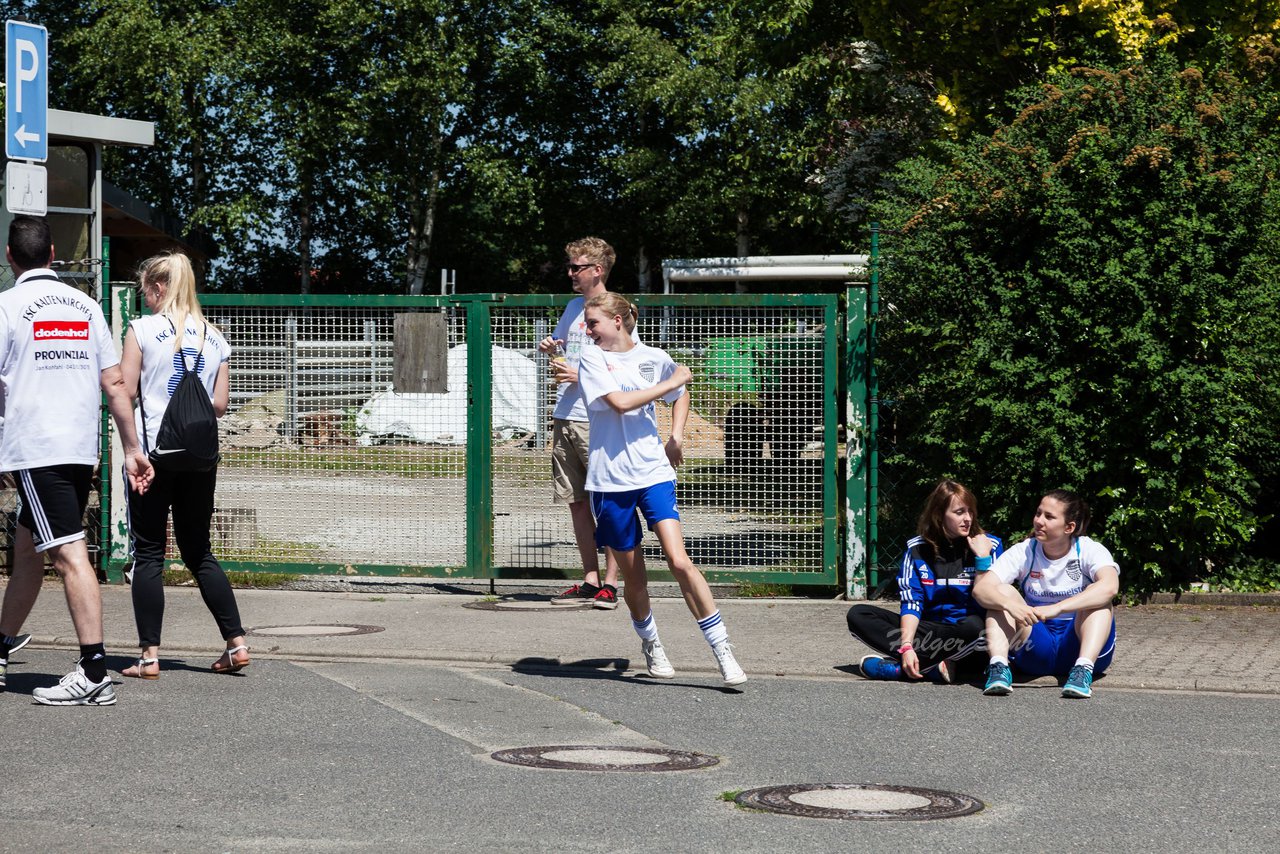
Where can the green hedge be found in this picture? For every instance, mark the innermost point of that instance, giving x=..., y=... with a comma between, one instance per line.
x=1090, y=298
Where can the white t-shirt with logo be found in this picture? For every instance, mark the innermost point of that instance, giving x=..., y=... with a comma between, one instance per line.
x=162, y=367
x=572, y=330
x=1048, y=582
x=625, y=450
x=54, y=345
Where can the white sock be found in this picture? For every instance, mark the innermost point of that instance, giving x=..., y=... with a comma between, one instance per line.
x=999, y=659
x=1086, y=663
x=646, y=628
x=713, y=629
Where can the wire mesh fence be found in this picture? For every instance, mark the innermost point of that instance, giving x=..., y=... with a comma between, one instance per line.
x=326, y=467
x=322, y=461
x=750, y=490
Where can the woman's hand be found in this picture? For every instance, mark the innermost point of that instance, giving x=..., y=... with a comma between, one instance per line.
x=1048, y=612
x=911, y=664
x=675, y=450
x=682, y=375
x=1020, y=612
x=980, y=545
x=548, y=344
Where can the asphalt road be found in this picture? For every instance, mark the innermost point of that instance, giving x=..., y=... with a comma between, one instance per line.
x=393, y=755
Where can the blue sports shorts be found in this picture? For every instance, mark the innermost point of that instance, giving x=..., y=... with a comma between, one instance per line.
x=615, y=512
x=1053, y=647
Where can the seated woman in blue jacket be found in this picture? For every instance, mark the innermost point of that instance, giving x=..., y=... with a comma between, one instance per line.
x=938, y=626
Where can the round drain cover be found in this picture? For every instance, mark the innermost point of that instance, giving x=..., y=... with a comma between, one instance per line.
x=575, y=757
x=322, y=630
x=857, y=802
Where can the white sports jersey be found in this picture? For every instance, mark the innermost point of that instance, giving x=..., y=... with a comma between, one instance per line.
x=625, y=450
x=161, y=368
x=54, y=345
x=572, y=330
x=1047, y=582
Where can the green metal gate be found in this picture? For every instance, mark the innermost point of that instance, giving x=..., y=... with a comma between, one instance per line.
x=326, y=470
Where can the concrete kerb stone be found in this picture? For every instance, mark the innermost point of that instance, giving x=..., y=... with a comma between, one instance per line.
x=1161, y=647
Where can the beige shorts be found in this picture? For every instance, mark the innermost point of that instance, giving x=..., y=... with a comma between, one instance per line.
x=569, y=450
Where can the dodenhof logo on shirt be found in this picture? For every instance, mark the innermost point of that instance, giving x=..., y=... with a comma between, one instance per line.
x=47, y=330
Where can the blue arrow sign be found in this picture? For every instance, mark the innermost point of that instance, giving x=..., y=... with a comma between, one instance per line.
x=26, y=81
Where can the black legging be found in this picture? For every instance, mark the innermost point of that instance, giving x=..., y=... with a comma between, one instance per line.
x=190, y=495
x=879, y=629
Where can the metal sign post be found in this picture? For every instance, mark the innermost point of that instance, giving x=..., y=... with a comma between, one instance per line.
x=26, y=117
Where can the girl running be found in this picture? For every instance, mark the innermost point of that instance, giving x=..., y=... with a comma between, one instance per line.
x=1062, y=622
x=629, y=468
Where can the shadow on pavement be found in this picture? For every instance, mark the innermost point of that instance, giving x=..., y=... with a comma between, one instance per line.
x=614, y=669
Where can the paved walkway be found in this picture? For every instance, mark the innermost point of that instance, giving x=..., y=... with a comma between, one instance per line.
x=1168, y=647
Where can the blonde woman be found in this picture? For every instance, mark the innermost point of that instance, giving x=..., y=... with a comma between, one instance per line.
x=630, y=468
x=158, y=350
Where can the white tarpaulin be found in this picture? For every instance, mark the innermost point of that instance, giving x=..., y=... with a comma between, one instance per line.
x=442, y=418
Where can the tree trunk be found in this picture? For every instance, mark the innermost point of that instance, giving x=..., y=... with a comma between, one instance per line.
x=304, y=237
x=422, y=222
x=642, y=270
x=744, y=243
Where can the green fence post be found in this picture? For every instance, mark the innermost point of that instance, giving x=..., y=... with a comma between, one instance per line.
x=480, y=561
x=106, y=465
x=856, y=449
x=873, y=412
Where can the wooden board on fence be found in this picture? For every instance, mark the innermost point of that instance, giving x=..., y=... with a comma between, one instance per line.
x=421, y=354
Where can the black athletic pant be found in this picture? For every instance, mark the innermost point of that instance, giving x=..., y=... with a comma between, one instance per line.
x=190, y=496
x=881, y=630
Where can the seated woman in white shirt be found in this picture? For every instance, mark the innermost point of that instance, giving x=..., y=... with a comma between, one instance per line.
x=1062, y=622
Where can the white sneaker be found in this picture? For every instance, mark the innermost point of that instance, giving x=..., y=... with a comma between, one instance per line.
x=729, y=668
x=655, y=657
x=75, y=689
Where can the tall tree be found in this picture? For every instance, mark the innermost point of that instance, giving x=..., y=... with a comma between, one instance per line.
x=171, y=63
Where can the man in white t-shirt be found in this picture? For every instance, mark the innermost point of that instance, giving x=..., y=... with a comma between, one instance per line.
x=588, y=262
x=56, y=355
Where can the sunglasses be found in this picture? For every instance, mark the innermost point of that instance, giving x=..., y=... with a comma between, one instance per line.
x=578, y=268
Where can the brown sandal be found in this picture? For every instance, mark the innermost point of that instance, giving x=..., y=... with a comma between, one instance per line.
x=140, y=669
x=231, y=666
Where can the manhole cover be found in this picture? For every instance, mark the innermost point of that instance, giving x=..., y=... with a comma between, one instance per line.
x=322, y=630
x=522, y=604
x=594, y=758
x=860, y=803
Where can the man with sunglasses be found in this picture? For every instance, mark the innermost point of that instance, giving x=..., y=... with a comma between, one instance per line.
x=588, y=262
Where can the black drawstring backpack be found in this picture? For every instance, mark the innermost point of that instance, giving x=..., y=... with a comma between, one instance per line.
x=188, y=436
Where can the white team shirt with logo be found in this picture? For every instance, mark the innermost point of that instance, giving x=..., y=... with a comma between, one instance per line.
x=572, y=330
x=162, y=368
x=1048, y=582
x=625, y=450
x=54, y=345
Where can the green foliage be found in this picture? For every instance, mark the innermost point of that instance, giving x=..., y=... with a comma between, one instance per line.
x=1247, y=575
x=979, y=53
x=1087, y=298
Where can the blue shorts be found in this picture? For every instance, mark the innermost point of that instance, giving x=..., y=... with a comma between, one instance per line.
x=1053, y=647
x=615, y=512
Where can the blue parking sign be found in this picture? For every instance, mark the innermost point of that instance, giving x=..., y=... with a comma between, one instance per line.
x=26, y=81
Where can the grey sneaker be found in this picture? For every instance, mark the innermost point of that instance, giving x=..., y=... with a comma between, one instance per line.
x=729, y=668
x=75, y=689
x=19, y=642
x=655, y=657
